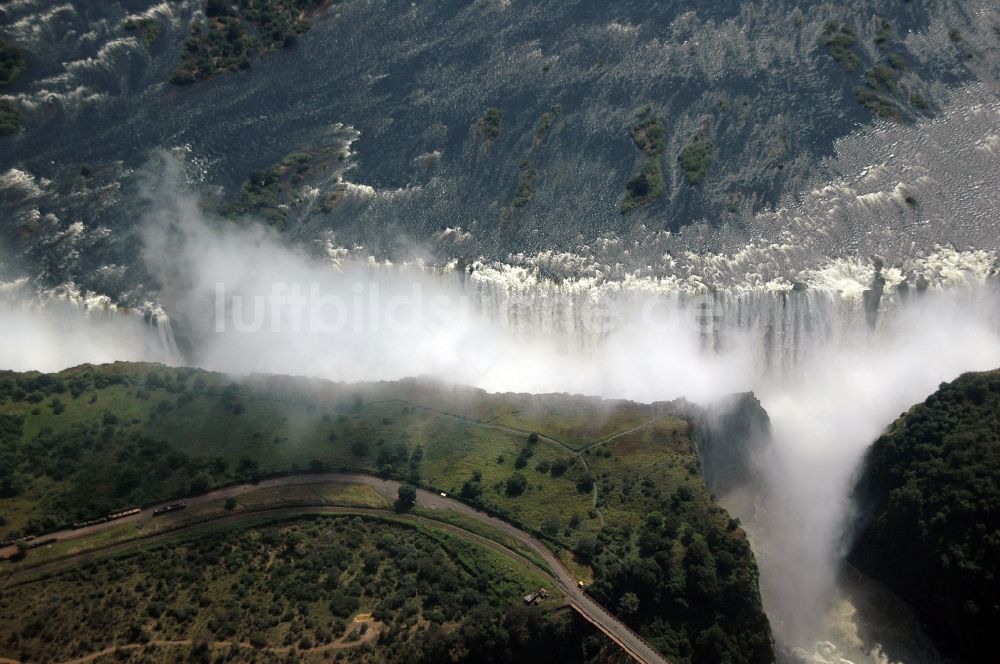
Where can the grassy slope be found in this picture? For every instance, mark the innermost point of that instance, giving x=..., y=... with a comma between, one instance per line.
x=180, y=430
x=930, y=489
x=288, y=424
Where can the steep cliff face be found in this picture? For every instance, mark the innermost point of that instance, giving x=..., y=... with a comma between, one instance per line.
x=929, y=500
x=729, y=433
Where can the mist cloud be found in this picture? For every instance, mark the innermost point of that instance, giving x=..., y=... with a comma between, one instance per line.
x=220, y=279
x=55, y=333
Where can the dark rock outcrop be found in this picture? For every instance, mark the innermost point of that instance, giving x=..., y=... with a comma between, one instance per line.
x=729, y=434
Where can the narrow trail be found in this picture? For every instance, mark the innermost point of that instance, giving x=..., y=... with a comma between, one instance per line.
x=622, y=433
x=374, y=628
x=490, y=424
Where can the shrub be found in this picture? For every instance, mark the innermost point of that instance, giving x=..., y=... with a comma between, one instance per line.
x=839, y=38
x=645, y=187
x=406, y=497
x=516, y=484
x=695, y=158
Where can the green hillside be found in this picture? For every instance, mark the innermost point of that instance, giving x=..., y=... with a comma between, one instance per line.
x=930, y=491
x=663, y=554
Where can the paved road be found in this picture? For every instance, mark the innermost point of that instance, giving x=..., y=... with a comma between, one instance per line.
x=593, y=612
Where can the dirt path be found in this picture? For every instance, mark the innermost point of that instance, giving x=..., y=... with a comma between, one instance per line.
x=340, y=644
x=623, y=433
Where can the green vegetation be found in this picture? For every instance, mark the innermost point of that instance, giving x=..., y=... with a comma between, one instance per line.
x=545, y=122
x=671, y=560
x=646, y=187
x=237, y=33
x=930, y=492
x=840, y=38
x=696, y=157
x=877, y=104
x=380, y=590
x=649, y=135
x=272, y=193
x=897, y=61
x=884, y=31
x=917, y=101
x=881, y=89
x=488, y=126
x=12, y=66
x=146, y=29
x=880, y=92
x=882, y=77
x=83, y=442
x=10, y=117
x=525, y=187
x=407, y=497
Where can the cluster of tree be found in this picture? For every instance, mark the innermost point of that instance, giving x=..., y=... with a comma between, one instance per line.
x=685, y=580
x=488, y=126
x=12, y=63
x=265, y=194
x=12, y=66
x=879, y=92
x=100, y=462
x=295, y=585
x=236, y=33
x=930, y=498
x=649, y=135
x=696, y=157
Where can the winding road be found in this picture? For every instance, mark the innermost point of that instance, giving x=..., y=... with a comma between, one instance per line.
x=593, y=612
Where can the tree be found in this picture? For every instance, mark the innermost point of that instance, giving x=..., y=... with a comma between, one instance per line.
x=406, y=497
x=247, y=469
x=200, y=483
x=472, y=490
x=516, y=484
x=559, y=467
x=532, y=438
x=586, y=549
x=628, y=605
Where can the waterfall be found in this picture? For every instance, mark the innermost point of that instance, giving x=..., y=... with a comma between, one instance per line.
x=53, y=329
x=779, y=326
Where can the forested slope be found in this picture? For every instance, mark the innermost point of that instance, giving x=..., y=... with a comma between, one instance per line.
x=930, y=499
